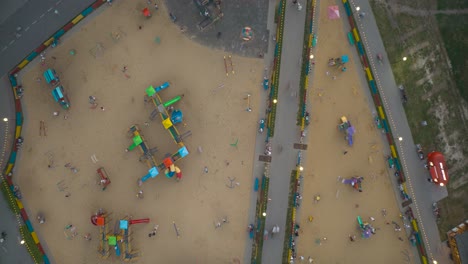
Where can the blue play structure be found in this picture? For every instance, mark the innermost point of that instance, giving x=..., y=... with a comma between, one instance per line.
x=152, y=173
x=176, y=116
x=162, y=86
x=59, y=96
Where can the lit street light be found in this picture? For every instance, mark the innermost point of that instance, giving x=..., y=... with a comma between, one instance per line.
x=275, y=101
x=5, y=119
x=405, y=58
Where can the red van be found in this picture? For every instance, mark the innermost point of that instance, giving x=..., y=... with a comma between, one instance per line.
x=437, y=168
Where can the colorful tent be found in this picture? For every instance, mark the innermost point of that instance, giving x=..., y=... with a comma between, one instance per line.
x=333, y=12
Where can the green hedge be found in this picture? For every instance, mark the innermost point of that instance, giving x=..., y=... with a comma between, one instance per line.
x=276, y=69
x=289, y=221
x=10, y=197
x=36, y=254
x=305, y=61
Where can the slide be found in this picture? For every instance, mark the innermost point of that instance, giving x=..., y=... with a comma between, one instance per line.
x=139, y=221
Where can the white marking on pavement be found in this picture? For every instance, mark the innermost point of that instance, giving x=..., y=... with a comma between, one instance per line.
x=58, y=2
x=41, y=16
x=50, y=9
x=4, y=48
x=11, y=42
x=34, y=22
x=26, y=29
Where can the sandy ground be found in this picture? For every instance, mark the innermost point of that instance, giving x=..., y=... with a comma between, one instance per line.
x=216, y=116
x=334, y=216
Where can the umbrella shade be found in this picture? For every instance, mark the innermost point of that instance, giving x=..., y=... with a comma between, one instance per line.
x=333, y=12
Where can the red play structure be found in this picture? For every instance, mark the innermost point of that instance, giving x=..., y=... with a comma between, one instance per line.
x=139, y=221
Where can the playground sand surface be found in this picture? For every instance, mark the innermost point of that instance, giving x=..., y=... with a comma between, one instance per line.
x=216, y=116
x=334, y=216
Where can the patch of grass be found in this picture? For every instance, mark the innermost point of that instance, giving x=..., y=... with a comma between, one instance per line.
x=452, y=4
x=453, y=210
x=454, y=30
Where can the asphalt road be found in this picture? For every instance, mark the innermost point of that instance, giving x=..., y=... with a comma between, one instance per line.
x=284, y=156
x=38, y=21
x=421, y=191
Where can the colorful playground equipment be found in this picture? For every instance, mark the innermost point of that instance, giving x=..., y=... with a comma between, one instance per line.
x=366, y=229
x=338, y=62
x=147, y=153
x=168, y=122
x=51, y=77
x=346, y=127
x=119, y=239
x=101, y=219
x=161, y=108
x=355, y=182
x=104, y=178
x=59, y=96
x=210, y=10
x=154, y=167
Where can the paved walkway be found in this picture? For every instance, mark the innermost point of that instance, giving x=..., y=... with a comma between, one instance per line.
x=421, y=191
x=284, y=157
x=11, y=251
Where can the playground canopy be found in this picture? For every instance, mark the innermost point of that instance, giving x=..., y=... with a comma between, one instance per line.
x=333, y=12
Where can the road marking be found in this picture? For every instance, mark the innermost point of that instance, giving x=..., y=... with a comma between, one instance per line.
x=58, y=2
x=50, y=9
x=34, y=22
x=4, y=48
x=26, y=29
x=11, y=42
x=42, y=16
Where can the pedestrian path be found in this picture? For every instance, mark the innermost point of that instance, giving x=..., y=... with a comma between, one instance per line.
x=286, y=132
